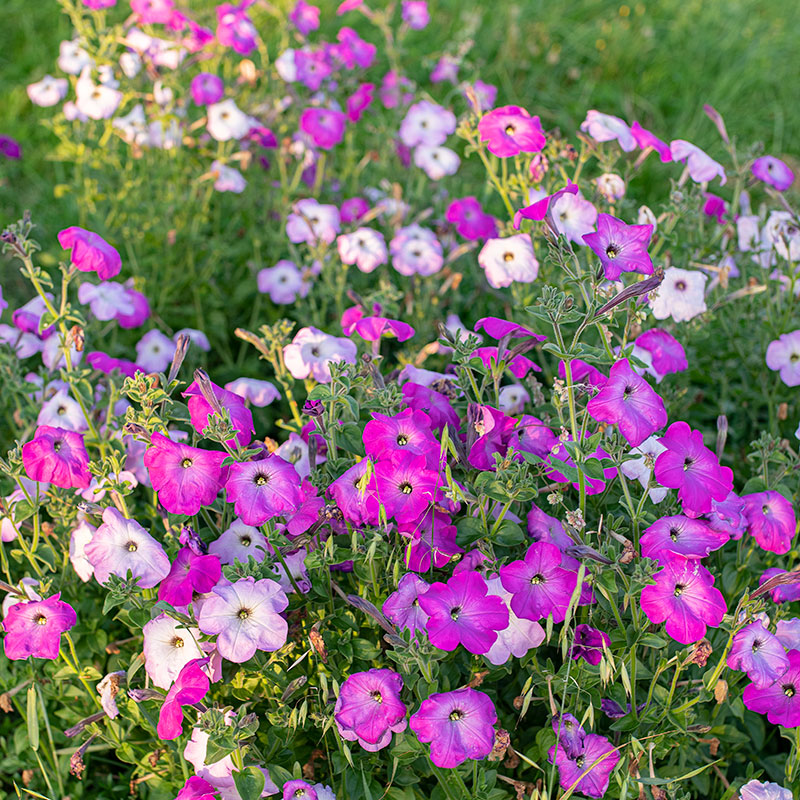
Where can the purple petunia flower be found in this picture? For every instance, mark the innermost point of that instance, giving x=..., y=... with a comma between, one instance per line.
x=540, y=585
x=588, y=644
x=35, y=628
x=402, y=606
x=405, y=486
x=206, y=89
x=690, y=467
x=780, y=701
x=435, y=404
x=57, y=456
x=470, y=220
x=299, y=790
x=304, y=17
x=461, y=612
x=325, y=126
x=560, y=458
x=493, y=431
x=433, y=541
x=261, y=490
x=684, y=597
x=759, y=653
x=190, y=573
x=756, y=790
x=783, y=356
x=596, y=753
x=511, y=130
x=459, y=725
x=369, y=709
x=773, y=171
x=406, y=432
x=628, y=402
x=90, y=252
x=354, y=493
x=680, y=535
x=621, y=247
x=771, y=520
x=120, y=545
x=246, y=617
x=186, y=478
x=10, y=148
x=191, y=686
x=666, y=353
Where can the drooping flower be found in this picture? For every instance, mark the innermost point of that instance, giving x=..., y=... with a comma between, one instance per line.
x=582, y=372
x=459, y=725
x=539, y=209
x=81, y=536
x=783, y=356
x=189, y=573
x=680, y=535
x=645, y=138
x=402, y=606
x=509, y=260
x=489, y=434
x=782, y=593
x=246, y=617
x=90, y=252
x=684, y=597
x=201, y=411
x=680, y=295
x=405, y=486
x=628, y=402
x=759, y=653
x=702, y=168
x=462, y=612
x=257, y=392
x=369, y=709
x=588, y=644
x=312, y=351
x=780, y=700
x=34, y=628
x=510, y=130
x=539, y=584
x=572, y=215
x=690, y=467
x=607, y=128
x=520, y=636
x=261, y=490
x=621, y=247
x=572, y=765
x=435, y=404
x=191, y=686
x=186, y=478
x=121, y=545
x=773, y=171
x=771, y=520
x=57, y=456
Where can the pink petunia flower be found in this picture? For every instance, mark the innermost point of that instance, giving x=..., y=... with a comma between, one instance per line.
x=364, y=247
x=759, y=653
x=354, y=494
x=304, y=17
x=427, y=123
x=702, y=168
x=189, y=573
x=771, y=520
x=644, y=138
x=510, y=130
x=191, y=686
x=325, y=126
x=405, y=486
x=235, y=29
x=34, y=628
x=607, y=128
x=239, y=541
x=406, y=432
x=415, y=14
x=783, y=356
x=470, y=220
x=509, y=260
x=679, y=535
x=780, y=701
x=261, y=490
x=201, y=411
x=773, y=171
x=57, y=456
x=90, y=252
x=416, y=251
x=360, y=101
x=666, y=352
x=197, y=789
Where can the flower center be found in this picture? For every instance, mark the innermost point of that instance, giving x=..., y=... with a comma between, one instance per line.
x=40, y=619
x=261, y=479
x=674, y=533
x=406, y=487
x=57, y=445
x=679, y=587
x=508, y=256
x=793, y=357
x=376, y=696
x=756, y=645
x=186, y=463
x=315, y=352
x=681, y=286
x=765, y=509
x=789, y=690
x=537, y=579
x=245, y=541
x=580, y=761
x=456, y=714
x=131, y=547
x=687, y=462
x=402, y=440
x=612, y=251
x=177, y=642
x=454, y=612
x=510, y=129
x=627, y=392
x=244, y=613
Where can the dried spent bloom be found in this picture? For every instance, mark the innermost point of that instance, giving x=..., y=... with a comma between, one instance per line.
x=34, y=628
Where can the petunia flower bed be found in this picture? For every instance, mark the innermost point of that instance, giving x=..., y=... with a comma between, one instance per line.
x=491, y=491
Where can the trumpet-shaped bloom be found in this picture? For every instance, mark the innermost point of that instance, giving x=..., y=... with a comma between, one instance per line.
x=191, y=686
x=621, y=247
x=354, y=494
x=427, y=123
x=588, y=644
x=369, y=709
x=756, y=790
x=702, y=168
x=312, y=351
x=783, y=356
x=459, y=725
x=168, y=647
x=364, y=247
x=684, y=597
x=57, y=456
x=509, y=260
x=239, y=541
x=771, y=520
x=462, y=612
x=607, y=128
x=470, y=220
x=402, y=606
x=197, y=789
x=773, y=171
x=666, y=353
x=780, y=700
x=681, y=295
x=261, y=490
x=189, y=573
x=325, y=126
x=186, y=478
x=572, y=764
x=246, y=617
x=405, y=485
x=416, y=251
x=680, y=535
x=406, y=432
x=520, y=636
x=35, y=628
x=690, y=467
x=628, y=402
x=510, y=130
x=311, y=222
x=759, y=653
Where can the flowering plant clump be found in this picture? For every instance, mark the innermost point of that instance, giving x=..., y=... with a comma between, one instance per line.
x=415, y=457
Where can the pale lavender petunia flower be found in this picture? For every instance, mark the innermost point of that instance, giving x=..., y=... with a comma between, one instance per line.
x=239, y=541
x=607, y=128
x=509, y=260
x=783, y=356
x=519, y=637
x=702, y=168
x=168, y=647
x=680, y=295
x=312, y=351
x=257, y=392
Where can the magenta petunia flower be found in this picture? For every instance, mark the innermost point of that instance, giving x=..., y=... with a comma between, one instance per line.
x=197, y=789
x=190, y=573
x=299, y=790
x=435, y=404
x=666, y=352
x=200, y=412
x=106, y=364
x=325, y=126
x=680, y=535
x=304, y=17
x=355, y=51
x=35, y=628
x=360, y=101
x=510, y=130
x=121, y=545
x=402, y=606
x=759, y=653
x=415, y=14
x=773, y=171
x=727, y=516
x=645, y=138
x=372, y=329
x=780, y=701
x=690, y=467
x=191, y=686
x=406, y=432
x=261, y=490
x=186, y=478
x=539, y=584
x=206, y=89
x=369, y=709
x=519, y=366
x=628, y=402
x=684, y=597
x=470, y=220
x=354, y=493
x=595, y=752
x=405, y=486
x=235, y=29
x=246, y=617
x=459, y=725
x=531, y=435
x=783, y=355
x=771, y=520
x=560, y=458
x=499, y=328
x=433, y=541
x=90, y=252
x=588, y=644
x=462, y=612
x=621, y=247
x=57, y=456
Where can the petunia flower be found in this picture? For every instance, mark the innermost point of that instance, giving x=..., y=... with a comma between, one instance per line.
x=509, y=260
x=702, y=168
x=681, y=295
x=645, y=138
x=459, y=725
x=189, y=573
x=246, y=617
x=325, y=126
x=621, y=247
x=34, y=628
x=773, y=171
x=239, y=541
x=588, y=644
x=427, y=123
x=433, y=541
x=369, y=709
x=771, y=520
x=90, y=252
x=354, y=494
x=783, y=356
x=435, y=404
x=261, y=490
x=690, y=467
x=154, y=351
x=756, y=790
x=256, y=392
x=595, y=752
x=235, y=29
x=372, y=329
x=415, y=14
x=493, y=431
x=462, y=612
x=780, y=700
x=408, y=431
x=759, y=653
x=402, y=606
x=607, y=128
x=57, y=456
x=201, y=411
x=680, y=535
x=470, y=220
x=405, y=486
x=684, y=597
x=666, y=352
x=206, y=89
x=121, y=545
x=168, y=647
x=197, y=789
x=191, y=686
x=364, y=247
x=416, y=251
x=312, y=351
x=511, y=130
x=628, y=402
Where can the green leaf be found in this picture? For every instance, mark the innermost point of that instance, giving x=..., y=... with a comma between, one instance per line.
x=249, y=783
x=469, y=530
x=350, y=437
x=33, y=719
x=510, y=534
